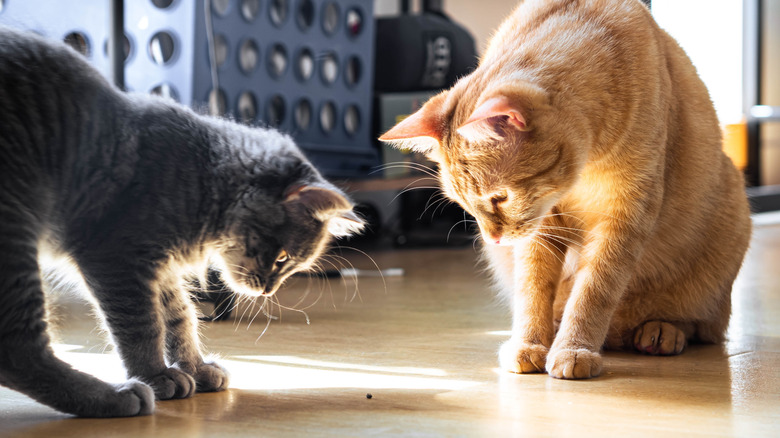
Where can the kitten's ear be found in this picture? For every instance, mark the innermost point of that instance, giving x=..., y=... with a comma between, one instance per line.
x=421, y=131
x=317, y=199
x=327, y=205
x=345, y=224
x=492, y=118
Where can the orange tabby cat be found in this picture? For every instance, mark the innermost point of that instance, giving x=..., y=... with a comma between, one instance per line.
x=589, y=152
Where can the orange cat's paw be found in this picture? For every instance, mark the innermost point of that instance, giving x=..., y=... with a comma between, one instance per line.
x=522, y=357
x=659, y=338
x=570, y=363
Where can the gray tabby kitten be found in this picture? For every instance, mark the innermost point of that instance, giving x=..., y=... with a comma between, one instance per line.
x=133, y=189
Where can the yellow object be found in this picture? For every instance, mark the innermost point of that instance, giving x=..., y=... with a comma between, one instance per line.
x=735, y=143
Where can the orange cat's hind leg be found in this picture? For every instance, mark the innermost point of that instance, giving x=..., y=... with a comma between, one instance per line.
x=659, y=338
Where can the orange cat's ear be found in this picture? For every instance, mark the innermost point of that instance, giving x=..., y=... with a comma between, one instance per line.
x=420, y=131
x=490, y=119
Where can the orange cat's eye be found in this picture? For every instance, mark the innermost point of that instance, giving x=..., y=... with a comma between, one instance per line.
x=282, y=258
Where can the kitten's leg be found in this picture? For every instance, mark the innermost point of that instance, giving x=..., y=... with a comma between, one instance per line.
x=132, y=309
x=183, y=346
x=27, y=362
x=533, y=278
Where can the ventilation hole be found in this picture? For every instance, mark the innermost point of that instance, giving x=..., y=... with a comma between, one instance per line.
x=162, y=4
x=303, y=115
x=353, y=71
x=329, y=69
x=249, y=9
x=275, y=111
x=220, y=49
x=277, y=60
x=220, y=7
x=330, y=18
x=247, y=107
x=161, y=48
x=248, y=55
x=126, y=48
x=351, y=120
x=217, y=103
x=305, y=15
x=304, y=65
x=79, y=42
x=278, y=11
x=328, y=117
x=166, y=90
x=354, y=22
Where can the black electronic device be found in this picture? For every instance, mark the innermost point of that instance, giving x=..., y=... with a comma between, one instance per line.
x=421, y=51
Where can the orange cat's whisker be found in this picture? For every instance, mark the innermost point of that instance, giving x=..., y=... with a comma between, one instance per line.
x=438, y=203
x=464, y=221
x=406, y=165
x=552, y=251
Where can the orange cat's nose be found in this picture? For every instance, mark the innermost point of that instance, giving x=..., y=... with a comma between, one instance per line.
x=494, y=238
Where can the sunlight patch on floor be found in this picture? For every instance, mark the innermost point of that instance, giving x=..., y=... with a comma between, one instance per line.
x=283, y=372
x=500, y=333
x=293, y=360
x=286, y=372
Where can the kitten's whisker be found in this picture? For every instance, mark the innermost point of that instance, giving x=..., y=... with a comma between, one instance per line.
x=256, y=315
x=344, y=280
x=318, y=272
x=229, y=308
x=265, y=329
x=384, y=283
x=232, y=265
x=281, y=306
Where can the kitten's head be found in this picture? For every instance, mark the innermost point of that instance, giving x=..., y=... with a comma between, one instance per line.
x=501, y=152
x=269, y=238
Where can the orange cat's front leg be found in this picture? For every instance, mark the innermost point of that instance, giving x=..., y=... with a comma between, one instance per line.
x=603, y=272
x=528, y=273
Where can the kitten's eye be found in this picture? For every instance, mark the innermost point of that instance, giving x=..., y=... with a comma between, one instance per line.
x=282, y=258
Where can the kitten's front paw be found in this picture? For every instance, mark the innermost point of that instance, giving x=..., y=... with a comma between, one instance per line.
x=522, y=357
x=172, y=383
x=134, y=398
x=211, y=377
x=570, y=363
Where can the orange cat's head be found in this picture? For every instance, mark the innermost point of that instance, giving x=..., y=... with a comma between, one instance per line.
x=501, y=151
